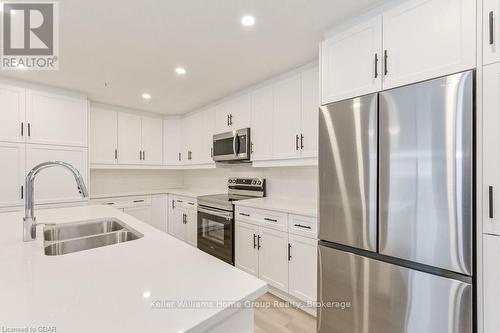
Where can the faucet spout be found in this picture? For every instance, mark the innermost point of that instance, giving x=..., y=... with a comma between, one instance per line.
x=29, y=220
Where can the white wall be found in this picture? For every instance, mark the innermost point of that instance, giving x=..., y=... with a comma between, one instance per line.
x=120, y=181
x=285, y=182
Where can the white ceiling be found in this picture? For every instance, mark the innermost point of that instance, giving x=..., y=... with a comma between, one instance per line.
x=136, y=45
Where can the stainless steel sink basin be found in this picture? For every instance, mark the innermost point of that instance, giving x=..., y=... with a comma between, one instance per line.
x=80, y=236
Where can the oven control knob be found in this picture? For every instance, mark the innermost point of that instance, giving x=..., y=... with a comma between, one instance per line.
x=253, y=182
x=230, y=181
x=259, y=182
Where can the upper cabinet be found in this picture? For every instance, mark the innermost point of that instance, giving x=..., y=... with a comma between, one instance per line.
x=413, y=41
x=351, y=62
x=129, y=138
x=309, y=113
x=233, y=114
x=491, y=31
x=262, y=123
x=152, y=141
x=423, y=39
x=12, y=115
x=103, y=136
x=56, y=119
x=172, y=142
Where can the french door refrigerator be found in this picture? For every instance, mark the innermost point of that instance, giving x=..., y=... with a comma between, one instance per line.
x=396, y=210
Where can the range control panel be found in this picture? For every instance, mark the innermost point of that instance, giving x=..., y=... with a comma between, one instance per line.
x=247, y=186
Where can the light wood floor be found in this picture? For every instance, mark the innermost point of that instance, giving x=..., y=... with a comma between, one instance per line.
x=281, y=320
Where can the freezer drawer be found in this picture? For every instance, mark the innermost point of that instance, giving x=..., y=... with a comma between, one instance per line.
x=385, y=298
x=348, y=172
x=426, y=172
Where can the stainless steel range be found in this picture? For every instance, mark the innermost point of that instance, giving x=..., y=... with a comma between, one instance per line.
x=216, y=216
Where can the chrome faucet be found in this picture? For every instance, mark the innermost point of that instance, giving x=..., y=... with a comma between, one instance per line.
x=29, y=220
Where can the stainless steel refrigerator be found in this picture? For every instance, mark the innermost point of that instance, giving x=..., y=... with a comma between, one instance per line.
x=396, y=182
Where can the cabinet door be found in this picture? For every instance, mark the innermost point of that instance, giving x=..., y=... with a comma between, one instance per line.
x=192, y=227
x=57, y=184
x=142, y=213
x=179, y=230
x=172, y=141
x=193, y=128
x=309, y=113
x=246, y=255
x=129, y=138
x=273, y=258
x=159, y=211
x=152, y=140
x=12, y=115
x=491, y=149
x=262, y=123
x=491, y=31
x=103, y=136
x=12, y=173
x=302, y=267
x=56, y=119
x=222, y=117
x=208, y=128
x=491, y=276
x=286, y=118
x=428, y=38
x=351, y=62
x=233, y=114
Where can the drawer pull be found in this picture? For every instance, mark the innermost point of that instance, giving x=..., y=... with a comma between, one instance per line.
x=179, y=200
x=109, y=203
x=136, y=201
x=302, y=226
x=191, y=203
x=245, y=214
x=270, y=220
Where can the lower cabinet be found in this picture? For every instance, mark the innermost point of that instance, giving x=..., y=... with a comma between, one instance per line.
x=286, y=261
x=491, y=276
x=159, y=211
x=183, y=219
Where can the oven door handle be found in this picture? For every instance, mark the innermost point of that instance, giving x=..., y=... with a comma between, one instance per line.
x=226, y=215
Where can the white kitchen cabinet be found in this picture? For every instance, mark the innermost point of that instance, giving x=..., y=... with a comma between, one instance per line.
x=152, y=140
x=191, y=223
x=351, y=62
x=172, y=142
x=57, y=184
x=302, y=267
x=286, y=118
x=178, y=223
x=208, y=131
x=262, y=123
x=491, y=276
x=245, y=247
x=423, y=39
x=129, y=138
x=159, y=211
x=273, y=258
x=103, y=136
x=193, y=127
x=12, y=173
x=142, y=213
x=491, y=31
x=12, y=115
x=233, y=114
x=491, y=149
x=309, y=113
x=56, y=119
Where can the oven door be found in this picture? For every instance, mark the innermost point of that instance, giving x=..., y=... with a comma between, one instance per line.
x=216, y=233
x=232, y=146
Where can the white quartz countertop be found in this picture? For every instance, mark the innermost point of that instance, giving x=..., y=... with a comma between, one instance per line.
x=114, y=288
x=186, y=192
x=286, y=205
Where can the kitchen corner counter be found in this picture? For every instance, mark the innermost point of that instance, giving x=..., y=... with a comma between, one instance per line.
x=185, y=192
x=286, y=205
x=114, y=288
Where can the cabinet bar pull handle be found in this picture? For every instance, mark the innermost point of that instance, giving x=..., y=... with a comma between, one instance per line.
x=297, y=142
x=173, y=203
x=376, y=65
x=191, y=203
x=22, y=129
x=271, y=220
x=22, y=192
x=136, y=201
x=254, y=241
x=302, y=226
x=385, y=62
x=258, y=242
x=140, y=155
x=144, y=155
x=491, y=27
x=244, y=214
x=227, y=120
x=490, y=201
x=301, y=141
x=29, y=129
x=289, y=251
x=116, y=154
x=179, y=157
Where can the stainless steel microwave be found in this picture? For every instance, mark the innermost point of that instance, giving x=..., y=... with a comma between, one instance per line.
x=232, y=146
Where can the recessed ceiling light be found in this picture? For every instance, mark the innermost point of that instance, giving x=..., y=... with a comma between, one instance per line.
x=146, y=96
x=248, y=20
x=180, y=70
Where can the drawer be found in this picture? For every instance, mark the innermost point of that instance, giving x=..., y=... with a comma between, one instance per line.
x=261, y=217
x=126, y=202
x=185, y=202
x=303, y=225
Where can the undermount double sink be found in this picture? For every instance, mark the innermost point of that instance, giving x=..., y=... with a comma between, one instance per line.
x=80, y=236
